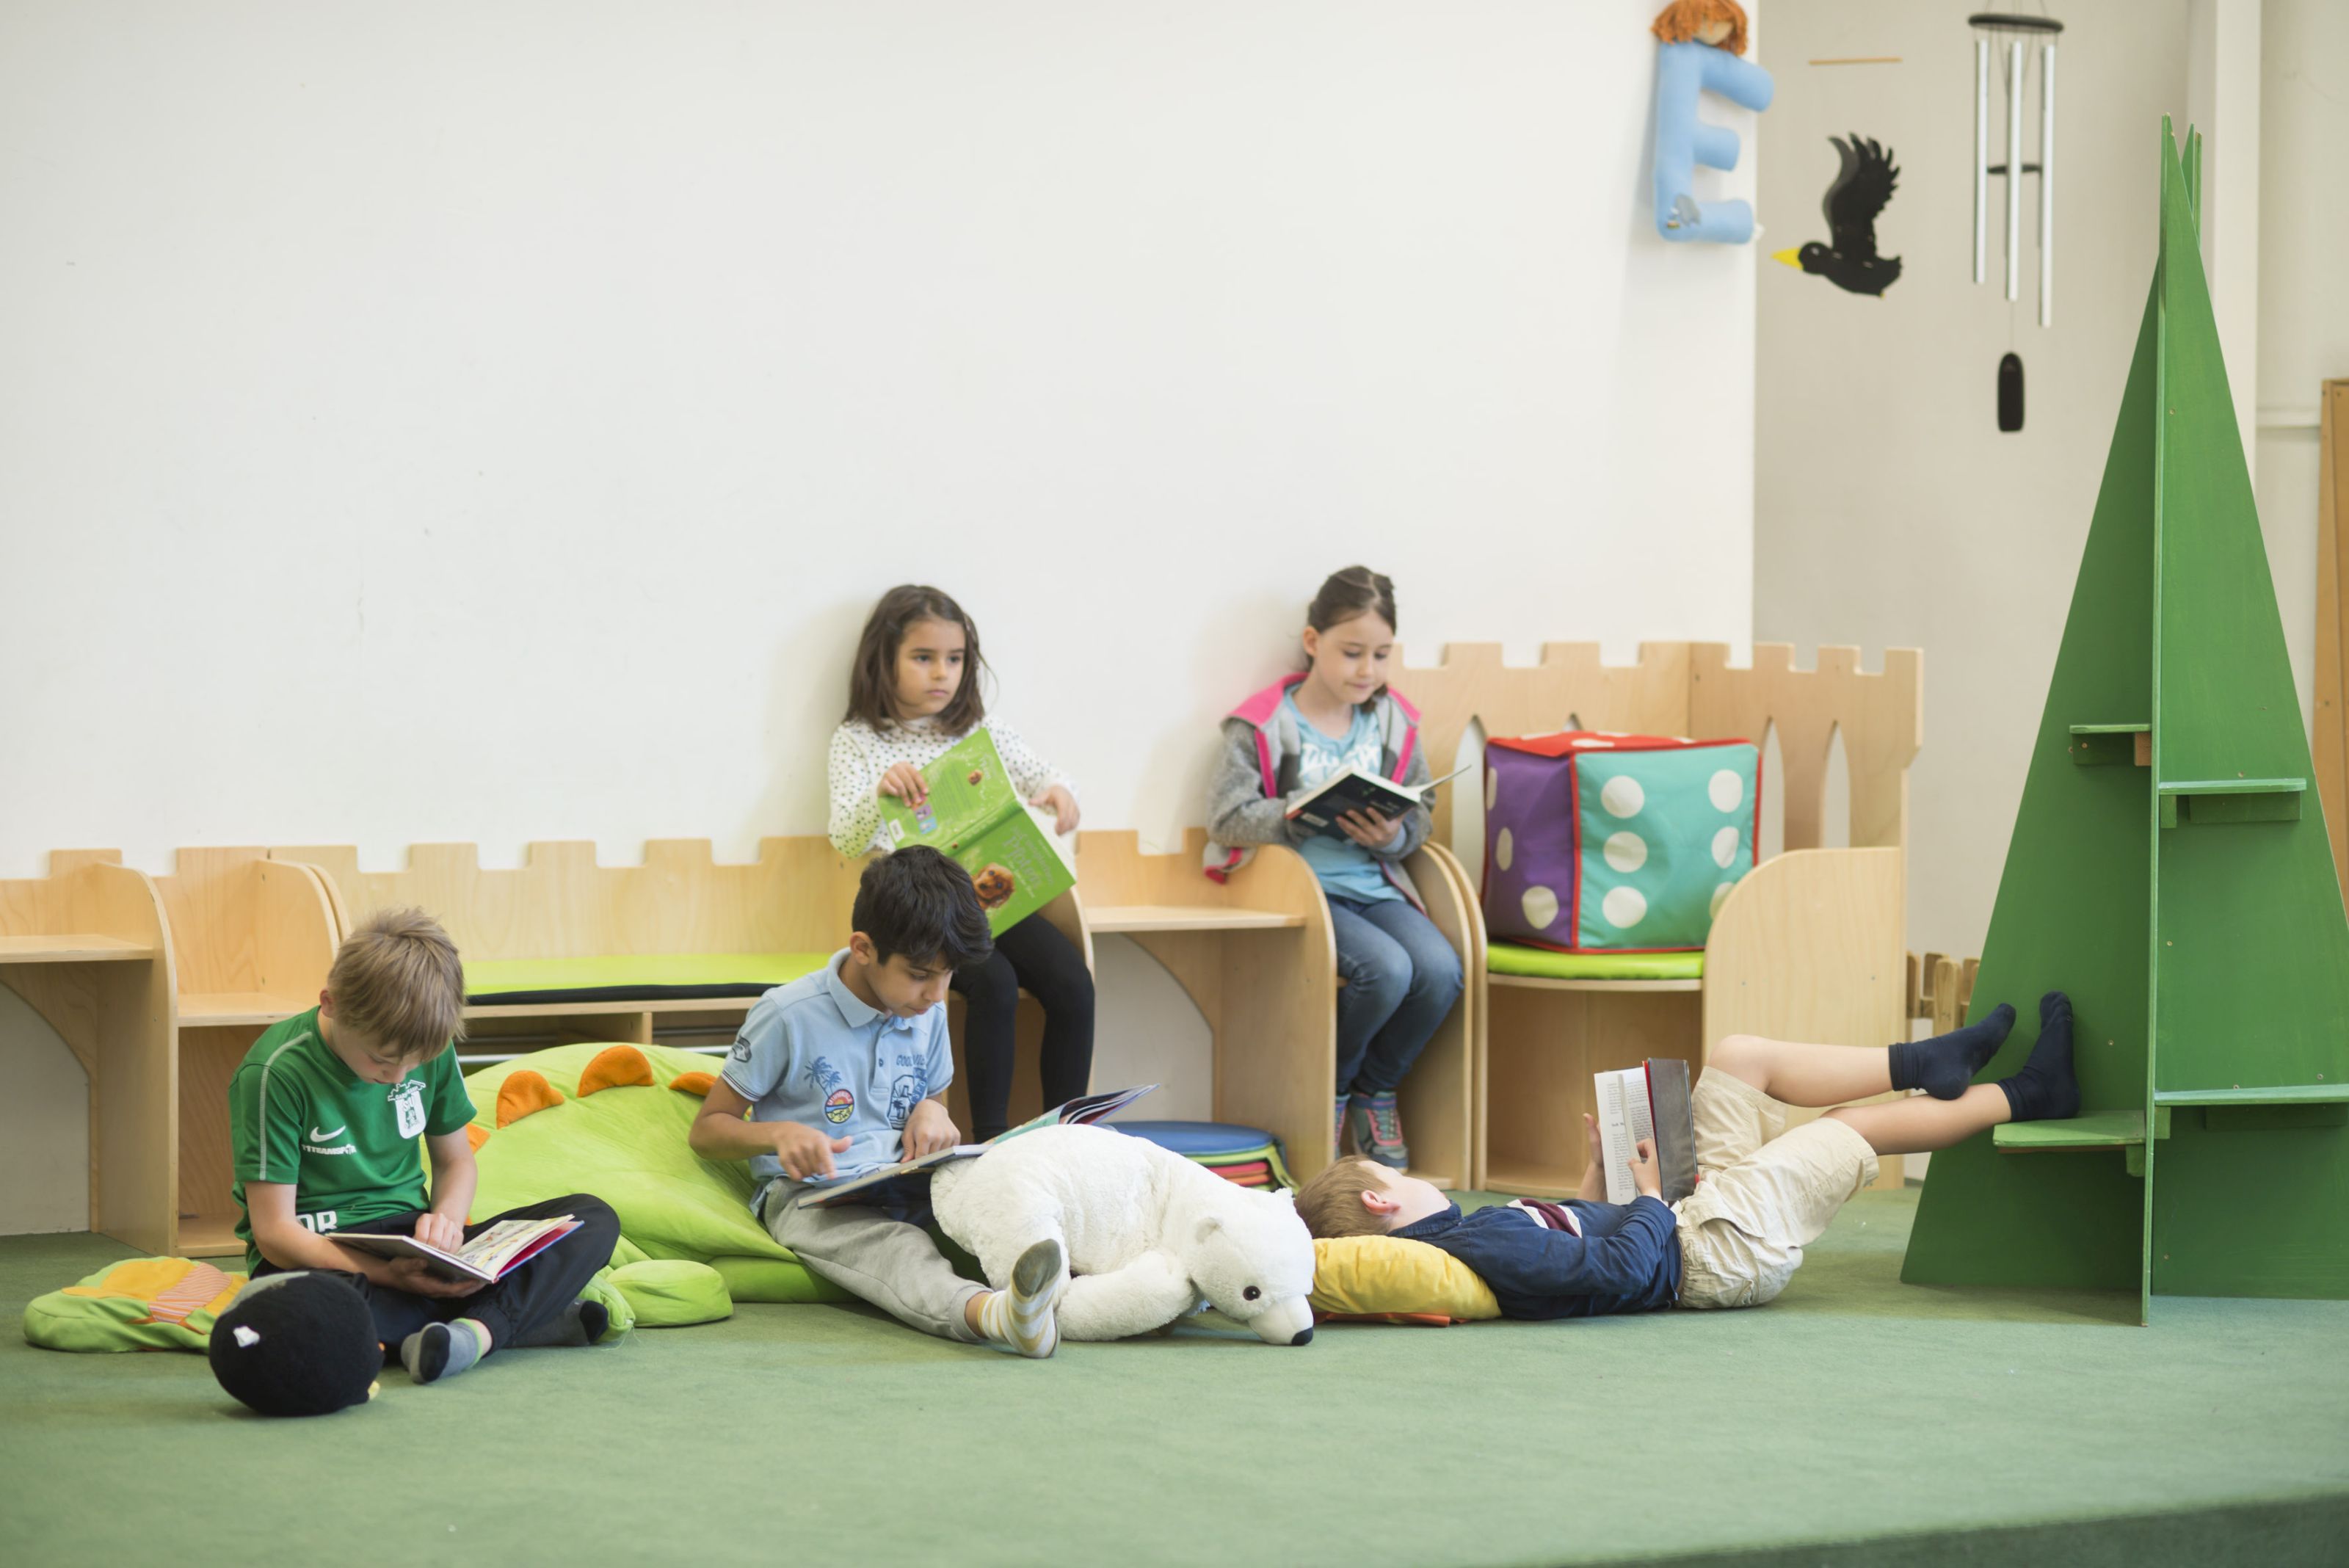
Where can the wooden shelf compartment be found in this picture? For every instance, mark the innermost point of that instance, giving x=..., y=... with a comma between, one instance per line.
x=1532, y=1179
x=2113, y=745
x=1116, y=919
x=209, y=1236
x=72, y=947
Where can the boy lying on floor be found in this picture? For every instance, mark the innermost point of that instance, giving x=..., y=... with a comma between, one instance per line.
x=1763, y=1193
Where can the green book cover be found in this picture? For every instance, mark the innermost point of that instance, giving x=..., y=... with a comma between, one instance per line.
x=976, y=817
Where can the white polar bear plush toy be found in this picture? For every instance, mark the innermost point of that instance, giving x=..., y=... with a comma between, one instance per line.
x=1147, y=1234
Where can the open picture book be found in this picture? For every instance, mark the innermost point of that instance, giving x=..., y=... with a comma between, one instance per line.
x=1354, y=790
x=976, y=817
x=488, y=1257
x=1648, y=1101
x=908, y=1178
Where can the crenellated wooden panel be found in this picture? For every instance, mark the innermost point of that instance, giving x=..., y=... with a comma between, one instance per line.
x=1882, y=717
x=562, y=903
x=1569, y=683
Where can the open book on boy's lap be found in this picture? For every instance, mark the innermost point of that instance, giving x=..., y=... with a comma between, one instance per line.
x=1648, y=1101
x=974, y=816
x=1351, y=789
x=489, y=1257
x=909, y=1179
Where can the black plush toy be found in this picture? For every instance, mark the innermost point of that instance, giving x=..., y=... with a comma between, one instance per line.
x=297, y=1345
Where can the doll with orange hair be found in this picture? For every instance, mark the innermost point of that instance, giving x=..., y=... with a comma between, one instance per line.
x=1698, y=46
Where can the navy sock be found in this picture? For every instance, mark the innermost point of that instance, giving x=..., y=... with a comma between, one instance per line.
x=1945, y=1065
x=584, y=1322
x=2046, y=1090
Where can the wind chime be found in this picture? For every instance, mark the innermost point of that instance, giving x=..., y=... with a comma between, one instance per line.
x=2011, y=36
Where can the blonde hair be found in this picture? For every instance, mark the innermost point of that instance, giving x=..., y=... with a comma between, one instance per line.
x=1331, y=1204
x=397, y=980
x=1678, y=22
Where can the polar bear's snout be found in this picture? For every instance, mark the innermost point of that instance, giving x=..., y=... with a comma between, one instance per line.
x=1284, y=1322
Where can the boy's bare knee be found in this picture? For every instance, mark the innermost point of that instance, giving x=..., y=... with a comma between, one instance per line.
x=1735, y=1051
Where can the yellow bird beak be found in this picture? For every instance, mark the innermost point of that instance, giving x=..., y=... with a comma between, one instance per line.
x=1792, y=257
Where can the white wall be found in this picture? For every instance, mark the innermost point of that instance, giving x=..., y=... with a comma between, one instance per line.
x=491, y=423
x=2303, y=309
x=1889, y=509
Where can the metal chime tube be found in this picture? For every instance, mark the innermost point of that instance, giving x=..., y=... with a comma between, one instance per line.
x=2047, y=185
x=1982, y=154
x=2015, y=85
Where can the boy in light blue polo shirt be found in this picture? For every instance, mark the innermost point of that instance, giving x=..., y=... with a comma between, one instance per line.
x=845, y=1071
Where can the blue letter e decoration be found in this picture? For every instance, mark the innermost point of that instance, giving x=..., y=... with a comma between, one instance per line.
x=1684, y=141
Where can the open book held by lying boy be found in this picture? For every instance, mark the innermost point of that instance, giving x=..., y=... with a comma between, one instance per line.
x=1764, y=1193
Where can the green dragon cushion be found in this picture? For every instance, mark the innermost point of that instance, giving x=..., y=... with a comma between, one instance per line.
x=612, y=1120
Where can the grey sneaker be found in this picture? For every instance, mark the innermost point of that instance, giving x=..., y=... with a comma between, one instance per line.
x=1378, y=1129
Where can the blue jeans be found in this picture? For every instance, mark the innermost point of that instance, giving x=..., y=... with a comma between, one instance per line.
x=1402, y=979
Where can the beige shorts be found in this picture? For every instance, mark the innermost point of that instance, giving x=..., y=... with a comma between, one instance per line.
x=1767, y=1193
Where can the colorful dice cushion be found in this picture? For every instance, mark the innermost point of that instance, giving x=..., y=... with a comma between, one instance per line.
x=1596, y=841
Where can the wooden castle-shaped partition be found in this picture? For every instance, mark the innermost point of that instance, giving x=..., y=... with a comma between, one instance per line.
x=2169, y=870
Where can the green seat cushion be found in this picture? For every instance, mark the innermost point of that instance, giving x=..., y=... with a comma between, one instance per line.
x=1540, y=963
x=654, y=977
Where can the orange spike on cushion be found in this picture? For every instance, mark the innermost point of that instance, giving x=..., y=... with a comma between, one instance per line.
x=476, y=1134
x=522, y=1094
x=616, y=1067
x=694, y=1083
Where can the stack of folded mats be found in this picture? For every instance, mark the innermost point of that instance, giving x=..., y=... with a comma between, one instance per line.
x=1249, y=1156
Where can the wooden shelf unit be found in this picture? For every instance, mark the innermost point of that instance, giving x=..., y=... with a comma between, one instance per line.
x=254, y=939
x=88, y=948
x=1809, y=945
x=1255, y=957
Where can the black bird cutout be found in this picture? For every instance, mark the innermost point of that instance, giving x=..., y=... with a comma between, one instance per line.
x=1861, y=187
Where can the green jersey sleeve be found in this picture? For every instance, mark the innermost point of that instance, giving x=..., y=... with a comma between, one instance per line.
x=452, y=1107
x=264, y=1119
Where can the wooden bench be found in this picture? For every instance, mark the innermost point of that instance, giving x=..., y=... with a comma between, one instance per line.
x=1256, y=956
x=1809, y=945
x=794, y=899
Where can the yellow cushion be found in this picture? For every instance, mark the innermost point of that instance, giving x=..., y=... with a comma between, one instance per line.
x=1375, y=1275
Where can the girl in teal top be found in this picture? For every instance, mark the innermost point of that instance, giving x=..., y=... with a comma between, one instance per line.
x=1401, y=976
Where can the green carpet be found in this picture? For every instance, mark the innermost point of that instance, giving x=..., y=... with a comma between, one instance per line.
x=1855, y=1421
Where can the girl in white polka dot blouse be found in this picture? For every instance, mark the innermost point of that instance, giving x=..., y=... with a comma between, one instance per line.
x=913, y=693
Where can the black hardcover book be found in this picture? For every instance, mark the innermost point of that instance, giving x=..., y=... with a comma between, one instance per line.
x=1354, y=790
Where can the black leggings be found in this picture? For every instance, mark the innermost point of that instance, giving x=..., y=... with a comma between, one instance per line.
x=532, y=1296
x=1033, y=954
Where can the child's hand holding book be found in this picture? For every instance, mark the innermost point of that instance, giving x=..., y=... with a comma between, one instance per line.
x=805, y=1151
x=1646, y=1174
x=927, y=1130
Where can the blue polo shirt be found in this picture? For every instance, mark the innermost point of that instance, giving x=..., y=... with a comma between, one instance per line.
x=811, y=1052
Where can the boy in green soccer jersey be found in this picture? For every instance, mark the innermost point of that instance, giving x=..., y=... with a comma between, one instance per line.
x=325, y=1114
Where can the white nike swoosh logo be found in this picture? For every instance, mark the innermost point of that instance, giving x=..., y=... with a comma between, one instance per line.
x=317, y=1136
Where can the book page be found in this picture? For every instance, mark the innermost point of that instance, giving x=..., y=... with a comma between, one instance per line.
x=495, y=1248
x=1623, y=1121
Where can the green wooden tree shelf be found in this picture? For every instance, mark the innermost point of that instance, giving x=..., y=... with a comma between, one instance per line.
x=2172, y=874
